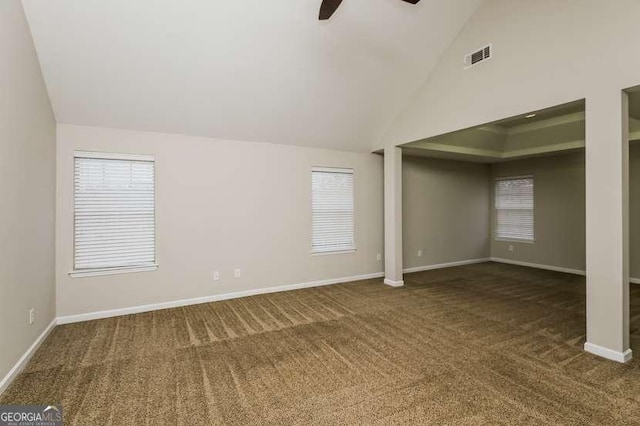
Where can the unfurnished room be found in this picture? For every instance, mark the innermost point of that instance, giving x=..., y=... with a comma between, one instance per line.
x=320, y=212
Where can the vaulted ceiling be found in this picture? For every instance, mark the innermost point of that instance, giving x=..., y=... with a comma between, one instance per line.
x=254, y=70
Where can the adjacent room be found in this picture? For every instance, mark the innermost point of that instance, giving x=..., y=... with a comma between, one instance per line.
x=279, y=213
x=512, y=191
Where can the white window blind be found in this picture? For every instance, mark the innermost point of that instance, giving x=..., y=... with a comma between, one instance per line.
x=514, y=209
x=333, y=218
x=114, y=212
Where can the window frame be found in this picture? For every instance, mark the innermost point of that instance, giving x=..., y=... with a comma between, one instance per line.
x=495, y=210
x=342, y=170
x=89, y=272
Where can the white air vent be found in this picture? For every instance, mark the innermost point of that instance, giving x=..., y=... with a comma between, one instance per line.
x=478, y=56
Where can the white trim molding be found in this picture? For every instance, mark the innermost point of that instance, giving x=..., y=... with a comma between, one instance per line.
x=608, y=353
x=89, y=316
x=330, y=252
x=549, y=122
x=113, y=156
x=393, y=283
x=112, y=271
x=494, y=128
x=536, y=265
x=24, y=359
x=445, y=265
x=550, y=268
x=566, y=146
x=333, y=170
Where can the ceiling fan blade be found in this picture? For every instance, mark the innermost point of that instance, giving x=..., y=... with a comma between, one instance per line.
x=412, y=1
x=328, y=7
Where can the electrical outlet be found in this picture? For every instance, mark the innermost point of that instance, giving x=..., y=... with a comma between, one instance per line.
x=419, y=253
x=215, y=275
x=510, y=247
x=236, y=273
x=32, y=316
x=379, y=257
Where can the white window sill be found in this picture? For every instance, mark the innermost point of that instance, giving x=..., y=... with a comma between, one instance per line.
x=514, y=240
x=111, y=271
x=329, y=252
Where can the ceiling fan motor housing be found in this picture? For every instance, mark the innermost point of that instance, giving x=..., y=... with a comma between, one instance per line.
x=328, y=7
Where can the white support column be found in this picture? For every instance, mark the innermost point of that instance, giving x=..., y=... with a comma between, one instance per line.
x=607, y=209
x=393, y=217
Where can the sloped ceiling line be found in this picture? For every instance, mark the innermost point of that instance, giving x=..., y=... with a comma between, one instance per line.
x=255, y=70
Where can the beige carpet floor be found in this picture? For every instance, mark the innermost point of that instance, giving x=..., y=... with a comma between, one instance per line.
x=479, y=344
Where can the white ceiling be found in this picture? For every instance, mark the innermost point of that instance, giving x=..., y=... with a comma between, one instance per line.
x=255, y=70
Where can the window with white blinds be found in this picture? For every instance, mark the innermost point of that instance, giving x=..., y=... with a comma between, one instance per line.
x=114, y=212
x=514, y=208
x=332, y=207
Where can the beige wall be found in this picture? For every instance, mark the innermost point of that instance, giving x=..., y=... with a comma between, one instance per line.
x=442, y=233
x=221, y=205
x=634, y=210
x=560, y=211
x=533, y=69
x=515, y=81
x=559, y=218
x=445, y=211
x=27, y=190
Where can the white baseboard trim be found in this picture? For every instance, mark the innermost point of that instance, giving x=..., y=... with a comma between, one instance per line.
x=444, y=265
x=608, y=353
x=17, y=368
x=550, y=268
x=207, y=299
x=536, y=265
x=393, y=283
